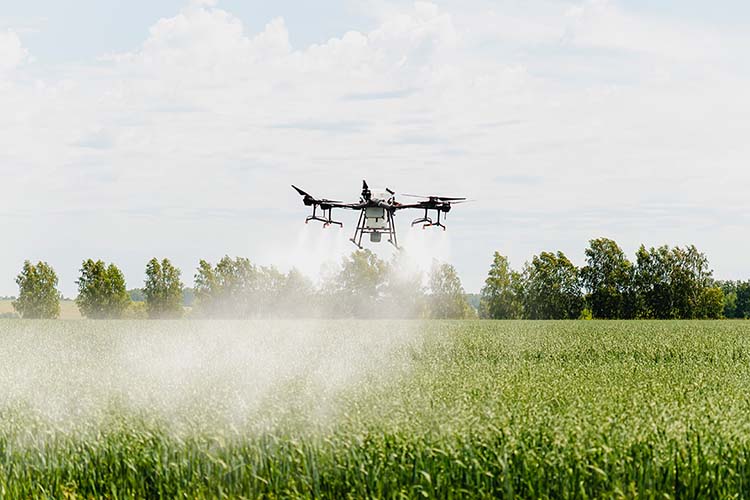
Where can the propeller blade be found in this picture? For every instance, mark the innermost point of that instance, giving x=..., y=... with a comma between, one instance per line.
x=300, y=191
x=390, y=192
x=364, y=184
x=438, y=198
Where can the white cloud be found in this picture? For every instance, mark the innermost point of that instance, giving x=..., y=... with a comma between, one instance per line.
x=604, y=24
x=12, y=52
x=186, y=145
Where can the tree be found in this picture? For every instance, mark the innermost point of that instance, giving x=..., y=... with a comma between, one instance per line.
x=653, y=283
x=551, y=288
x=227, y=290
x=670, y=282
x=608, y=279
x=297, y=298
x=691, y=276
x=269, y=287
x=736, y=298
x=710, y=303
x=447, y=298
x=162, y=290
x=730, y=303
x=743, y=300
x=500, y=296
x=355, y=290
x=101, y=291
x=38, y=297
x=403, y=289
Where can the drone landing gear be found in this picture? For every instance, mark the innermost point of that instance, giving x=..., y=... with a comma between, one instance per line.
x=427, y=221
x=326, y=219
x=375, y=233
x=422, y=220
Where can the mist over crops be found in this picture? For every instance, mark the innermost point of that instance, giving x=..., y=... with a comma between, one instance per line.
x=248, y=375
x=374, y=409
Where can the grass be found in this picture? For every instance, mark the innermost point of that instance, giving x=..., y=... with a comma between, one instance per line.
x=68, y=309
x=374, y=409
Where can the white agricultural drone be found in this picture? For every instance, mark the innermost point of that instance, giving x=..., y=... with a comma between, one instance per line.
x=377, y=211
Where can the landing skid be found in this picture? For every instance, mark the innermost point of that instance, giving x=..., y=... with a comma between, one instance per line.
x=427, y=221
x=327, y=221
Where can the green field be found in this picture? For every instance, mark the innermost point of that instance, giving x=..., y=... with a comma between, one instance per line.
x=339, y=409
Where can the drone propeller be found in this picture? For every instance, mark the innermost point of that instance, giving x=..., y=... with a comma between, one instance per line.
x=309, y=199
x=438, y=198
x=300, y=191
x=313, y=199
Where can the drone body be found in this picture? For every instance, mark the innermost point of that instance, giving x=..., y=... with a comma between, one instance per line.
x=376, y=211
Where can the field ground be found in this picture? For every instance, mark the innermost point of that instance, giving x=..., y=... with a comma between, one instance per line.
x=68, y=309
x=374, y=409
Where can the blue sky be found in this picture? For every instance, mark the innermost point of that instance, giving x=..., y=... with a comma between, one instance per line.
x=82, y=29
x=174, y=128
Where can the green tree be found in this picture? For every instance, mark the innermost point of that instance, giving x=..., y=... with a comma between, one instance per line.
x=551, y=288
x=710, y=303
x=446, y=294
x=691, y=277
x=743, y=300
x=608, y=279
x=670, y=282
x=501, y=294
x=101, y=291
x=653, y=283
x=227, y=290
x=355, y=289
x=162, y=290
x=729, y=288
x=270, y=285
x=38, y=297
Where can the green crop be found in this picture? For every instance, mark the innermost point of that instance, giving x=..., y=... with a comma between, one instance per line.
x=340, y=409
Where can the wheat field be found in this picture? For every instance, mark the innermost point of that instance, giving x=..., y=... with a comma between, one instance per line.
x=374, y=409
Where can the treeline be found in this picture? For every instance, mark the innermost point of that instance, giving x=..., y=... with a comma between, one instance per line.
x=662, y=283
x=362, y=285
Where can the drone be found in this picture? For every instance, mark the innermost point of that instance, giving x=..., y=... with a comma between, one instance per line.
x=376, y=211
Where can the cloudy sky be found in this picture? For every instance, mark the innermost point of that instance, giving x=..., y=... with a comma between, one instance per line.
x=133, y=129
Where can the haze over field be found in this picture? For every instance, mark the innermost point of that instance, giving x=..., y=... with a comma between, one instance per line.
x=139, y=129
x=216, y=375
x=337, y=409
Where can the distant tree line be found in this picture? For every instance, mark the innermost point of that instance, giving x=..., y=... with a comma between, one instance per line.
x=663, y=283
x=660, y=283
x=361, y=286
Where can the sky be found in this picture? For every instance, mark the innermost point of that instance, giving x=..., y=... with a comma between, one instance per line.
x=138, y=129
